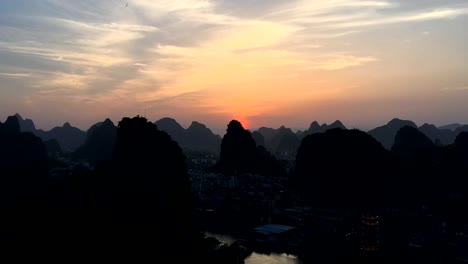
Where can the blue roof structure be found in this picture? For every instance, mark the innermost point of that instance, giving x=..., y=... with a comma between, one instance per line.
x=273, y=229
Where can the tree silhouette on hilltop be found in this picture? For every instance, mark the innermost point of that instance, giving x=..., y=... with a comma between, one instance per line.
x=239, y=154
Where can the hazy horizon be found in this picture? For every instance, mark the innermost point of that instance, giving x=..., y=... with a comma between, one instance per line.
x=221, y=130
x=265, y=63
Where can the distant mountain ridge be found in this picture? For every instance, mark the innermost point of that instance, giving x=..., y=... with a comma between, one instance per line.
x=197, y=137
x=386, y=134
x=315, y=127
x=438, y=135
x=283, y=142
x=452, y=127
x=26, y=125
x=444, y=135
x=201, y=138
x=174, y=129
x=68, y=137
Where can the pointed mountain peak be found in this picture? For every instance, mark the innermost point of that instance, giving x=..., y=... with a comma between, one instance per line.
x=396, y=122
x=198, y=128
x=168, y=122
x=108, y=122
x=314, y=126
x=426, y=125
x=337, y=124
x=196, y=124
x=67, y=125
x=267, y=132
x=12, y=124
x=19, y=117
x=26, y=125
x=284, y=130
x=235, y=125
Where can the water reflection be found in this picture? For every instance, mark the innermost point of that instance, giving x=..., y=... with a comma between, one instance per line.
x=256, y=258
x=225, y=239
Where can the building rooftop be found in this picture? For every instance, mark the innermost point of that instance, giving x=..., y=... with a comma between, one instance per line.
x=273, y=229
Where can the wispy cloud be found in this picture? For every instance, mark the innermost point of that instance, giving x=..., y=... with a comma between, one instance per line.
x=160, y=49
x=342, y=62
x=446, y=13
x=15, y=75
x=306, y=8
x=456, y=88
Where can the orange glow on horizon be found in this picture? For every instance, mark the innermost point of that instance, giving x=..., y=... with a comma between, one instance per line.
x=243, y=122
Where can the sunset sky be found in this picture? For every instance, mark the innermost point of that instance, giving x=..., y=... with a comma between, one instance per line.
x=264, y=62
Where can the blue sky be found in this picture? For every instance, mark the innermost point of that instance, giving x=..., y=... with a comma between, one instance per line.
x=267, y=63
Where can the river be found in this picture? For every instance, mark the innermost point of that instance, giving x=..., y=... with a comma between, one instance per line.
x=257, y=258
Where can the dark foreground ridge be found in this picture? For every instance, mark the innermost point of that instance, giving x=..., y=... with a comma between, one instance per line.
x=324, y=195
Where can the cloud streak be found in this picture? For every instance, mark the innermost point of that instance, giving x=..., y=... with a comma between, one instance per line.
x=343, y=62
x=446, y=13
x=459, y=88
x=15, y=75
